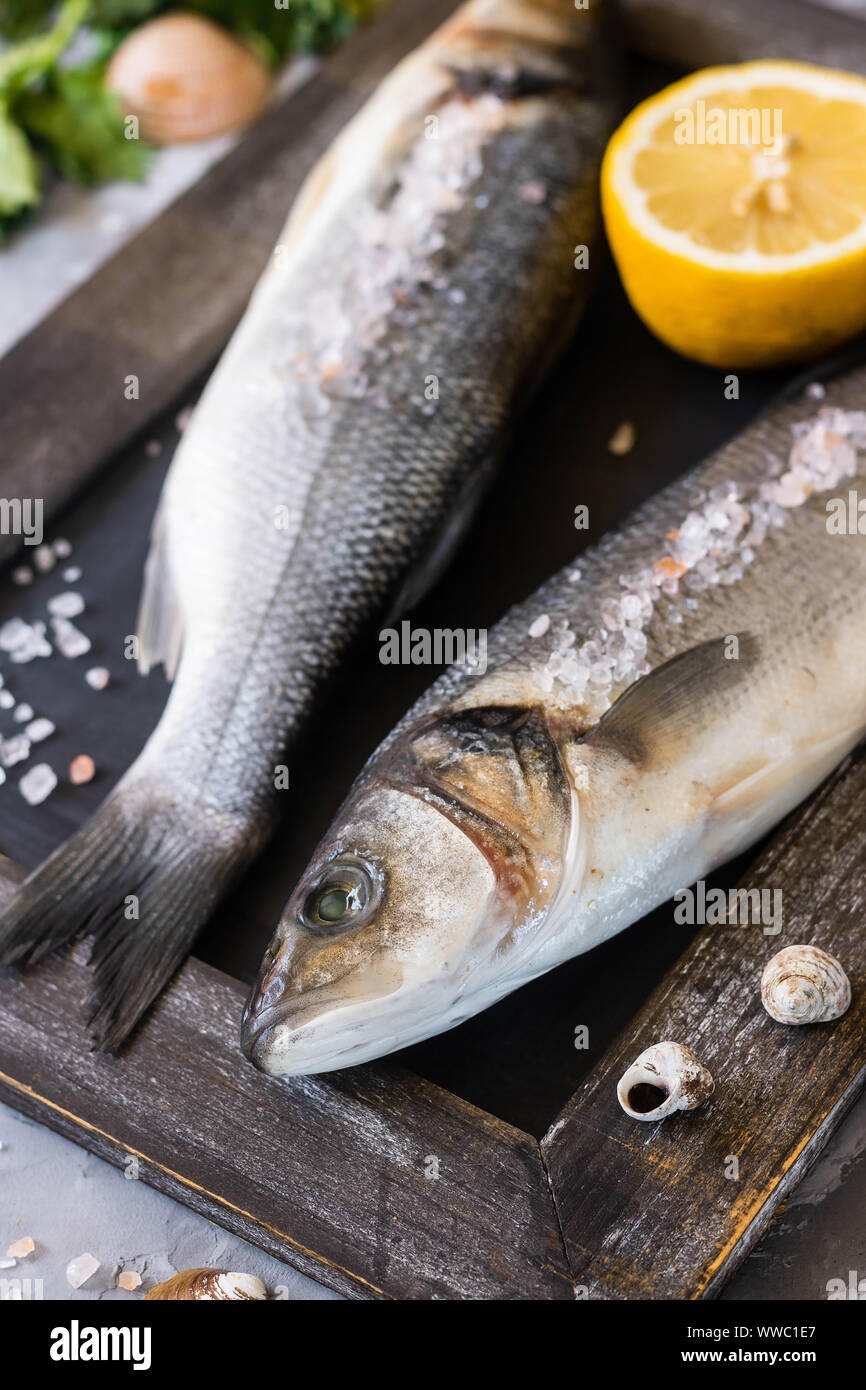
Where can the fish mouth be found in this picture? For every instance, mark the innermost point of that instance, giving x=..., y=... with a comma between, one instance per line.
x=300, y=1039
x=321, y=1030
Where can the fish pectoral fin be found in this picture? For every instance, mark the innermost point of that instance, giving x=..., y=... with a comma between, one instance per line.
x=160, y=619
x=674, y=700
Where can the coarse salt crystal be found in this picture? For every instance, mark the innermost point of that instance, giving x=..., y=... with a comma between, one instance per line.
x=535, y=191
x=66, y=605
x=130, y=1279
x=622, y=441
x=72, y=574
x=97, y=677
x=23, y=640
x=36, y=646
x=153, y=448
x=14, y=750
x=22, y=574
x=13, y=633
x=39, y=729
x=19, y=1249
x=22, y=713
x=540, y=626
x=79, y=1270
x=611, y=615
x=71, y=641
x=7, y=699
x=792, y=490
x=37, y=784
x=630, y=607
x=44, y=558
x=62, y=548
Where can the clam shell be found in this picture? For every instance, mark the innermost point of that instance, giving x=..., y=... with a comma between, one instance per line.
x=187, y=79
x=803, y=984
x=665, y=1078
x=209, y=1285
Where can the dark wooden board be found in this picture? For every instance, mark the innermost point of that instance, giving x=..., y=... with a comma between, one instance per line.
x=516, y=1060
x=163, y=306
x=694, y=33
x=327, y=1173
x=647, y=1209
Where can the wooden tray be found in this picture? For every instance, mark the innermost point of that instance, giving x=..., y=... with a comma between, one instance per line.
x=544, y=1187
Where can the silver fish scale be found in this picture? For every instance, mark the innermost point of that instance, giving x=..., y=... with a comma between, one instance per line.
x=802, y=585
x=369, y=483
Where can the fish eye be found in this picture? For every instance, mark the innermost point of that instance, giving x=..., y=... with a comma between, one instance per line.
x=344, y=896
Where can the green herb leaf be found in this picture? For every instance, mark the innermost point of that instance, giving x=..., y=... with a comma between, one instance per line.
x=19, y=178
x=80, y=124
x=25, y=63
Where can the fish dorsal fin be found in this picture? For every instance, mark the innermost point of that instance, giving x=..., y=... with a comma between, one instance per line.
x=160, y=619
x=674, y=698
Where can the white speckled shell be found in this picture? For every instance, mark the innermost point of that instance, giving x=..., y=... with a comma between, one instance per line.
x=209, y=1285
x=803, y=984
x=673, y=1069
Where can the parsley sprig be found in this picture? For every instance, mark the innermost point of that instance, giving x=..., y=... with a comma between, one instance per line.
x=53, y=115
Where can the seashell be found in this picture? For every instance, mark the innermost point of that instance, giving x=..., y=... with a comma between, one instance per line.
x=803, y=984
x=665, y=1078
x=187, y=79
x=209, y=1285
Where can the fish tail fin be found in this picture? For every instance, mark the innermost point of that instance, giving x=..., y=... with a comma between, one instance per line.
x=141, y=881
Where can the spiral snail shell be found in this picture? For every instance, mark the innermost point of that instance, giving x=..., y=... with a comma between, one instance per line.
x=209, y=1285
x=665, y=1078
x=803, y=984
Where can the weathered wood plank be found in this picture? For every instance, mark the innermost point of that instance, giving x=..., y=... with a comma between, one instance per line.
x=329, y=1174
x=648, y=1210
x=692, y=34
x=163, y=307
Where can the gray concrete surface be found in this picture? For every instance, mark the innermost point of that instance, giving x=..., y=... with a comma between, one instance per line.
x=70, y=1203
x=819, y=1236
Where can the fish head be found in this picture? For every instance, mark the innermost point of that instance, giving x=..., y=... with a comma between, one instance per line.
x=421, y=900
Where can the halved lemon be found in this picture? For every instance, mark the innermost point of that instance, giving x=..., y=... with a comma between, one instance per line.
x=735, y=205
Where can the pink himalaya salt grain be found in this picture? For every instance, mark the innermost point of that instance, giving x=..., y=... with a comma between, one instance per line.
x=82, y=769
x=21, y=1248
x=623, y=439
x=44, y=558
